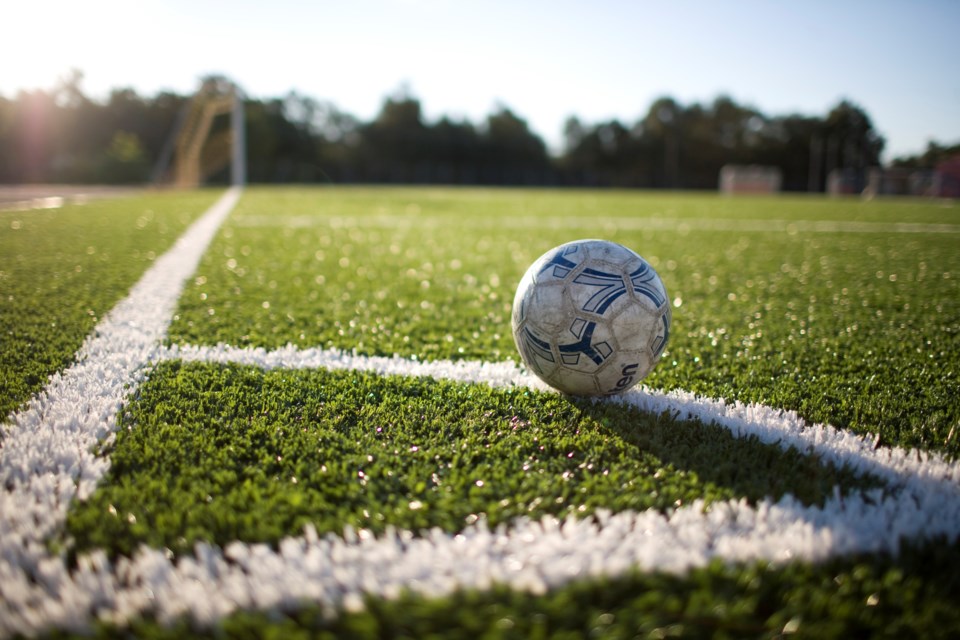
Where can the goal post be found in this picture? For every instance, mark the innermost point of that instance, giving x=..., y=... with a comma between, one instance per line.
x=198, y=148
x=238, y=161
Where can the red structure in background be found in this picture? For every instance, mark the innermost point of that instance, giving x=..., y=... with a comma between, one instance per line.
x=943, y=181
x=948, y=172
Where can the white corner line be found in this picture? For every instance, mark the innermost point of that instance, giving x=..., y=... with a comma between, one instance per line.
x=894, y=465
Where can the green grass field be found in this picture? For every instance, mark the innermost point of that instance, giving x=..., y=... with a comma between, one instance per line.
x=843, y=327
x=62, y=270
x=843, y=311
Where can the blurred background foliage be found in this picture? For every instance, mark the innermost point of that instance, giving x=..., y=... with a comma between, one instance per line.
x=61, y=135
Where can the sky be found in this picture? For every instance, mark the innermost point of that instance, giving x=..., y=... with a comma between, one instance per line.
x=544, y=60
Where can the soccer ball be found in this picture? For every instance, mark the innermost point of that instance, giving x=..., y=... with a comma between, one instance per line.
x=591, y=318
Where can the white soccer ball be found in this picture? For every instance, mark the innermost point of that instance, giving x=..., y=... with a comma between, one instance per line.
x=591, y=318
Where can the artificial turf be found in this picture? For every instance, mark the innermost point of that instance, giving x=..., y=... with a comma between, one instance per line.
x=61, y=270
x=221, y=452
x=871, y=596
x=853, y=322
x=857, y=328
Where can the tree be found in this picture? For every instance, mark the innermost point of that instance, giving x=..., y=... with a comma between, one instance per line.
x=608, y=154
x=61, y=135
x=663, y=126
x=454, y=147
x=278, y=149
x=512, y=154
x=935, y=154
x=393, y=145
x=861, y=145
x=124, y=161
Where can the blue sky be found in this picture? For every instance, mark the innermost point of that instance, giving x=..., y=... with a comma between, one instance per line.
x=597, y=59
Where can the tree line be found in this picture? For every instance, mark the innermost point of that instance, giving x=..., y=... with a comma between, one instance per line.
x=62, y=135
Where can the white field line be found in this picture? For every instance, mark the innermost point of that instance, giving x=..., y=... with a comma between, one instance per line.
x=652, y=223
x=46, y=456
x=46, y=459
x=774, y=426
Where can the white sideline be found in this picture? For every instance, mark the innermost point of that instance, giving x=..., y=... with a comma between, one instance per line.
x=46, y=452
x=46, y=459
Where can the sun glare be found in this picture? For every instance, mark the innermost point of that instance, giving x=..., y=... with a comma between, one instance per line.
x=47, y=39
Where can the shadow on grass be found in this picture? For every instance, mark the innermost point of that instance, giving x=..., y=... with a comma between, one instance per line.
x=224, y=452
x=749, y=467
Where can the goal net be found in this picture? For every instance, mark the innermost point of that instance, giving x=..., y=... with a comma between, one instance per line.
x=207, y=137
x=750, y=179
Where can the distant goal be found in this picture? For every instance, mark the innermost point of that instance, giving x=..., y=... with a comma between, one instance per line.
x=750, y=179
x=207, y=137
